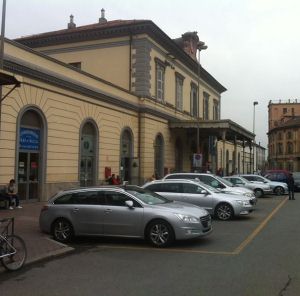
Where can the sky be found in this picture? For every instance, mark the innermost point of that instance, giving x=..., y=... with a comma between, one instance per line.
x=253, y=45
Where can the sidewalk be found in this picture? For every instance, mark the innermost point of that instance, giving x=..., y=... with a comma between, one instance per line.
x=39, y=245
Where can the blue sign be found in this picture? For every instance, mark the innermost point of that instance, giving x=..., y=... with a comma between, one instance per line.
x=29, y=139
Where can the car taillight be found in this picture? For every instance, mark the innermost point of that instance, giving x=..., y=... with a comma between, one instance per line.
x=44, y=208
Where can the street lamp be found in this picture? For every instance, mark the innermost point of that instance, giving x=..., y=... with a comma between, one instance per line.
x=200, y=46
x=254, y=104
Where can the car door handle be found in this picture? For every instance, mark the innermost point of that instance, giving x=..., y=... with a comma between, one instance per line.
x=75, y=210
x=107, y=211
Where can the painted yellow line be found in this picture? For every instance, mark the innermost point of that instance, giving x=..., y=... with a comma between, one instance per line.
x=166, y=250
x=242, y=246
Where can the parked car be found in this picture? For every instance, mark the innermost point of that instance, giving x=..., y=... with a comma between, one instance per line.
x=260, y=189
x=277, y=175
x=222, y=205
x=214, y=181
x=126, y=211
x=278, y=188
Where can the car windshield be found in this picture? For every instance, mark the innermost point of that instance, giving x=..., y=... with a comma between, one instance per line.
x=210, y=188
x=262, y=179
x=244, y=180
x=148, y=197
x=226, y=182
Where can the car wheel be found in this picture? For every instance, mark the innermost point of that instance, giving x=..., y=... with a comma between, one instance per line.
x=62, y=230
x=278, y=190
x=160, y=233
x=258, y=193
x=224, y=211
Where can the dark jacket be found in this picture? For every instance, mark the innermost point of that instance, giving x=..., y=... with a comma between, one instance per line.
x=291, y=182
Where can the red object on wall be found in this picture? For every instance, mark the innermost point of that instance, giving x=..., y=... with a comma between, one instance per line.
x=107, y=172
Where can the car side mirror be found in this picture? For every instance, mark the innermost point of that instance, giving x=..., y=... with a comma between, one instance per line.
x=129, y=204
x=203, y=192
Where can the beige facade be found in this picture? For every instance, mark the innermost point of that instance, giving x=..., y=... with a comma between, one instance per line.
x=123, y=109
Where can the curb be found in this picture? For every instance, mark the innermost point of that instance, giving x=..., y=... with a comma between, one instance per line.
x=49, y=255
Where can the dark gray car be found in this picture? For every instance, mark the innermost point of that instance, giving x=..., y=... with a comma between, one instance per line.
x=128, y=211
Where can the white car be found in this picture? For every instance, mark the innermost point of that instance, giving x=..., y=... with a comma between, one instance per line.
x=278, y=188
x=214, y=181
x=222, y=205
x=260, y=189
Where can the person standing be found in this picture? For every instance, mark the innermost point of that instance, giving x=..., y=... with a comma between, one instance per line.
x=12, y=193
x=291, y=186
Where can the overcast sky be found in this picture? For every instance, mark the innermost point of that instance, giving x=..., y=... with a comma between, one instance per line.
x=253, y=45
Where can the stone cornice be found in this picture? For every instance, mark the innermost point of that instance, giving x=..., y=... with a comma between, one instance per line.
x=121, y=30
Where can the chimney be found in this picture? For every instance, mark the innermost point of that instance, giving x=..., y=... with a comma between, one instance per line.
x=102, y=20
x=190, y=42
x=71, y=24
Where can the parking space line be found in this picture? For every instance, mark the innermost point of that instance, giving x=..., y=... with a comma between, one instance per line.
x=243, y=245
x=167, y=250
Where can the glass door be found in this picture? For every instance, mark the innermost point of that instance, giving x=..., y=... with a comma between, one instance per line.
x=86, y=171
x=33, y=174
x=28, y=175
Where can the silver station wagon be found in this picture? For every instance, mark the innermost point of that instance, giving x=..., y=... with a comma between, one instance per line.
x=220, y=204
x=125, y=211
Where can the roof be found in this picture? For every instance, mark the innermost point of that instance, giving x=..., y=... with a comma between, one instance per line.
x=119, y=28
x=215, y=128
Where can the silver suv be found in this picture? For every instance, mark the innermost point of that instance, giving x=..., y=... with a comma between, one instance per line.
x=214, y=181
x=222, y=205
x=278, y=188
x=260, y=189
x=128, y=211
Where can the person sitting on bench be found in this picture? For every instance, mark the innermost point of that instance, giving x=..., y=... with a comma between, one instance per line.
x=11, y=191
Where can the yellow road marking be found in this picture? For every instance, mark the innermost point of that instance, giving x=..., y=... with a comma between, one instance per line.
x=237, y=251
x=167, y=250
x=258, y=229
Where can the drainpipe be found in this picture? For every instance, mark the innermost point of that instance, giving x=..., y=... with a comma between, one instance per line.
x=139, y=146
x=130, y=60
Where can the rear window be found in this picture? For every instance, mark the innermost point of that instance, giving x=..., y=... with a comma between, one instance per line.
x=165, y=187
x=179, y=176
x=81, y=198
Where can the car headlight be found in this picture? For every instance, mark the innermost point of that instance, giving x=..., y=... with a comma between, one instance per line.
x=249, y=194
x=188, y=219
x=243, y=202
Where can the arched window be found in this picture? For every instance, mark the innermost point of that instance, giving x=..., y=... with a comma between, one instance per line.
x=31, y=153
x=88, y=154
x=227, y=163
x=289, y=148
x=178, y=156
x=159, y=156
x=126, y=152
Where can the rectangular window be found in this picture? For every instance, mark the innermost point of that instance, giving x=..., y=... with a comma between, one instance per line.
x=284, y=110
x=216, y=111
x=179, y=92
x=160, y=81
x=206, y=106
x=194, y=100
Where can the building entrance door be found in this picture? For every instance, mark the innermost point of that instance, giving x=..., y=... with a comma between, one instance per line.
x=86, y=171
x=28, y=175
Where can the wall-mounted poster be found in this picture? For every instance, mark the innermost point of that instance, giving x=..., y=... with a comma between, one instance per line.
x=29, y=139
